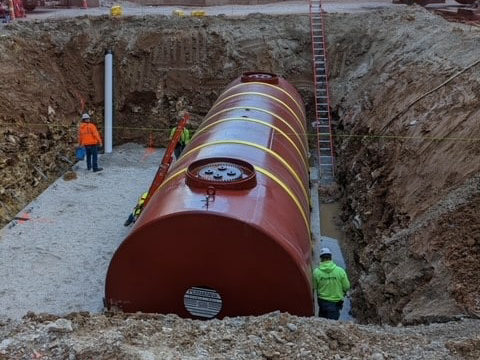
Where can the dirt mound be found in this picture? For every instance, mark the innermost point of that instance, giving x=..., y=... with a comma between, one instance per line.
x=407, y=139
x=272, y=336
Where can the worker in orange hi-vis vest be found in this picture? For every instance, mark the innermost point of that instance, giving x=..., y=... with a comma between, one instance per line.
x=89, y=137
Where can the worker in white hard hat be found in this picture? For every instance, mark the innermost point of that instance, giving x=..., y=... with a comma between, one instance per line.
x=331, y=284
x=89, y=137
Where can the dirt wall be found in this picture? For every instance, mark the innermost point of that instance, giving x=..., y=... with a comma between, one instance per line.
x=409, y=169
x=53, y=71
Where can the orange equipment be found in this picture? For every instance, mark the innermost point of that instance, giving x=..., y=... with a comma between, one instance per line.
x=227, y=233
x=167, y=157
x=18, y=9
x=11, y=9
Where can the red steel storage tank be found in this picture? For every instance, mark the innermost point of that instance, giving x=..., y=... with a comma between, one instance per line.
x=227, y=233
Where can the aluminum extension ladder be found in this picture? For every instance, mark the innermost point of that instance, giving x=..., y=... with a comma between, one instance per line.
x=323, y=119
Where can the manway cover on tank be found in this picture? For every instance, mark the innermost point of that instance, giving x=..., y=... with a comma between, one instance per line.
x=227, y=233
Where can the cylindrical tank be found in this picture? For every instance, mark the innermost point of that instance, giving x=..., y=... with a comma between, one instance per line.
x=227, y=233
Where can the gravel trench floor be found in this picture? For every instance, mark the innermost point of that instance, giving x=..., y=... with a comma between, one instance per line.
x=55, y=260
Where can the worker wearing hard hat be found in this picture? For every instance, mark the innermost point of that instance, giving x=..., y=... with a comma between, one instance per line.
x=89, y=137
x=136, y=210
x=331, y=284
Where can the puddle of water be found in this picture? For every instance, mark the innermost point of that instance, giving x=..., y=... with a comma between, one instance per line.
x=328, y=216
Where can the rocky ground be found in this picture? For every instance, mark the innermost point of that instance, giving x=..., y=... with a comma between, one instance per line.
x=272, y=336
x=405, y=87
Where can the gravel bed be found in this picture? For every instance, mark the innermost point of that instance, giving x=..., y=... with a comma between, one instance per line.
x=55, y=260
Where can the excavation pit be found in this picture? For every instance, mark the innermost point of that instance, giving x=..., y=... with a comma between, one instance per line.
x=406, y=167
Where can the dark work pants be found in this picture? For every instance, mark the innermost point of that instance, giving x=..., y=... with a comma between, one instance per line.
x=328, y=309
x=92, y=155
x=178, y=150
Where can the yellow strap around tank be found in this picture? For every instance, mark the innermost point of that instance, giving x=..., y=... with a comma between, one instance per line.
x=267, y=112
x=289, y=192
x=276, y=87
x=201, y=130
x=265, y=95
x=170, y=177
x=263, y=148
x=267, y=174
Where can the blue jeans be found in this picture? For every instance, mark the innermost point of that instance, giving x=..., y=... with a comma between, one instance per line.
x=92, y=155
x=329, y=309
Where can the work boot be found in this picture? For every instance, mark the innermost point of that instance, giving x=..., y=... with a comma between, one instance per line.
x=97, y=169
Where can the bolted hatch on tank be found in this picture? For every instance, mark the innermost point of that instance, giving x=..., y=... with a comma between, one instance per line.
x=221, y=173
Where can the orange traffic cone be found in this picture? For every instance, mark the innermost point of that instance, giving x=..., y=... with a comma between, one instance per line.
x=84, y=4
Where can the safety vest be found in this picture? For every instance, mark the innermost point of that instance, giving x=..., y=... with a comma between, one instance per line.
x=139, y=206
x=184, y=137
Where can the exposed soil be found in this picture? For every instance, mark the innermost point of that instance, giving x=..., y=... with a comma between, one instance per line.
x=52, y=71
x=409, y=174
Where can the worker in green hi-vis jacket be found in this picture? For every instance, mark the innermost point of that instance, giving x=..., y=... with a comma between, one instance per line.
x=184, y=140
x=331, y=284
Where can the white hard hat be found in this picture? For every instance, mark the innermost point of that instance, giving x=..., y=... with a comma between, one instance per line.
x=325, y=251
x=85, y=116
